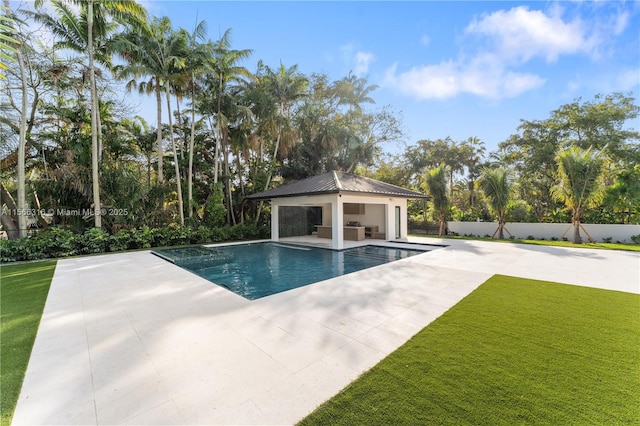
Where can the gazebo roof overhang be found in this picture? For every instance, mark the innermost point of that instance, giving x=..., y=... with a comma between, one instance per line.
x=335, y=183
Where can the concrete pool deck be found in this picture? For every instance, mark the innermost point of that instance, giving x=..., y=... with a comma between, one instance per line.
x=132, y=339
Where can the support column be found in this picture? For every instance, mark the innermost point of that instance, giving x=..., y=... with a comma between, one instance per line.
x=337, y=223
x=390, y=220
x=275, y=229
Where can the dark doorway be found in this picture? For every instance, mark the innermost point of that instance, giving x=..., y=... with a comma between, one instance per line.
x=294, y=221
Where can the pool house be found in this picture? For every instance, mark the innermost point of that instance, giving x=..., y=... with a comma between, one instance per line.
x=339, y=206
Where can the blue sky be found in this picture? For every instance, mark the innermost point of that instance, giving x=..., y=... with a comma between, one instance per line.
x=455, y=68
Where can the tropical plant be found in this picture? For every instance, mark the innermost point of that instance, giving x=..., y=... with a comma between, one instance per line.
x=580, y=183
x=7, y=39
x=496, y=187
x=436, y=179
x=96, y=13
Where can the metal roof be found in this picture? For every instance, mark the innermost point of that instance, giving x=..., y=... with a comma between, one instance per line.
x=337, y=182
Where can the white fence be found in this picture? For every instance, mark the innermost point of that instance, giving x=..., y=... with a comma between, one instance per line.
x=617, y=233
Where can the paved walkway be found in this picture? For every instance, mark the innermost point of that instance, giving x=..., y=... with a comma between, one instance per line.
x=131, y=339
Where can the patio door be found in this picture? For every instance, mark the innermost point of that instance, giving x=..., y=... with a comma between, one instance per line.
x=397, y=222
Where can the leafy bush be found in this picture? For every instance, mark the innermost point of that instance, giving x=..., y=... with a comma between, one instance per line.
x=520, y=211
x=119, y=241
x=636, y=238
x=58, y=242
x=141, y=238
x=93, y=240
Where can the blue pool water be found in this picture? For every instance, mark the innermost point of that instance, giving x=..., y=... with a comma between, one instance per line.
x=261, y=269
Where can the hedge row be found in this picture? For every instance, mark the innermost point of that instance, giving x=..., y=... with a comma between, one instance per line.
x=57, y=242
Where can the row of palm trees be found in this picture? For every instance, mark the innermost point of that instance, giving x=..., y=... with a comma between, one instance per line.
x=579, y=186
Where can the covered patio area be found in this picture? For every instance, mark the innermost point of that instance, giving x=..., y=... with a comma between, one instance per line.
x=338, y=208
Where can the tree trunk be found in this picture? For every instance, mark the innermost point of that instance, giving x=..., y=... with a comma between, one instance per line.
x=9, y=226
x=36, y=202
x=9, y=221
x=577, y=238
x=22, y=198
x=231, y=219
x=175, y=158
x=270, y=173
x=99, y=121
x=241, y=184
x=443, y=224
x=94, y=121
x=159, y=131
x=192, y=138
x=501, y=223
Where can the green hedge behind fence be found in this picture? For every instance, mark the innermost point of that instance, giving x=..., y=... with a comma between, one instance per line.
x=57, y=242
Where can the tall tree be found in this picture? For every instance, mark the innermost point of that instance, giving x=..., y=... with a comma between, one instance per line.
x=580, y=183
x=353, y=91
x=224, y=71
x=436, y=179
x=22, y=203
x=496, y=187
x=196, y=60
x=532, y=150
x=152, y=51
x=97, y=14
x=287, y=86
x=472, y=152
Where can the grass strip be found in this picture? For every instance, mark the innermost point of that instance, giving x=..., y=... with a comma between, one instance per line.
x=515, y=351
x=551, y=243
x=23, y=292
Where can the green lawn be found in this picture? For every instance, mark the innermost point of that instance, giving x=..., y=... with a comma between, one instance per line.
x=515, y=351
x=23, y=292
x=604, y=246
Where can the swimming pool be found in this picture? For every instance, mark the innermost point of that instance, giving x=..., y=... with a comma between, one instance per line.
x=257, y=270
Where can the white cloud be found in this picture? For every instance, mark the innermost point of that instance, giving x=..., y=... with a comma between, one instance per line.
x=520, y=34
x=620, y=23
x=356, y=60
x=628, y=79
x=496, y=47
x=362, y=61
x=448, y=79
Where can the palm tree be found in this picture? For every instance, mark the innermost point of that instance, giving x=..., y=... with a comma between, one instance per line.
x=437, y=183
x=473, y=151
x=223, y=71
x=496, y=187
x=354, y=91
x=97, y=13
x=148, y=52
x=287, y=86
x=155, y=50
x=195, y=63
x=7, y=40
x=580, y=183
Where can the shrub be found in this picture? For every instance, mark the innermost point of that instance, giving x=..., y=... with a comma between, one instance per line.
x=93, y=240
x=58, y=242
x=52, y=242
x=141, y=238
x=119, y=241
x=636, y=238
x=607, y=240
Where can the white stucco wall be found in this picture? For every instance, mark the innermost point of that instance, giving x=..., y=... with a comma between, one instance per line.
x=373, y=215
x=547, y=231
x=379, y=210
